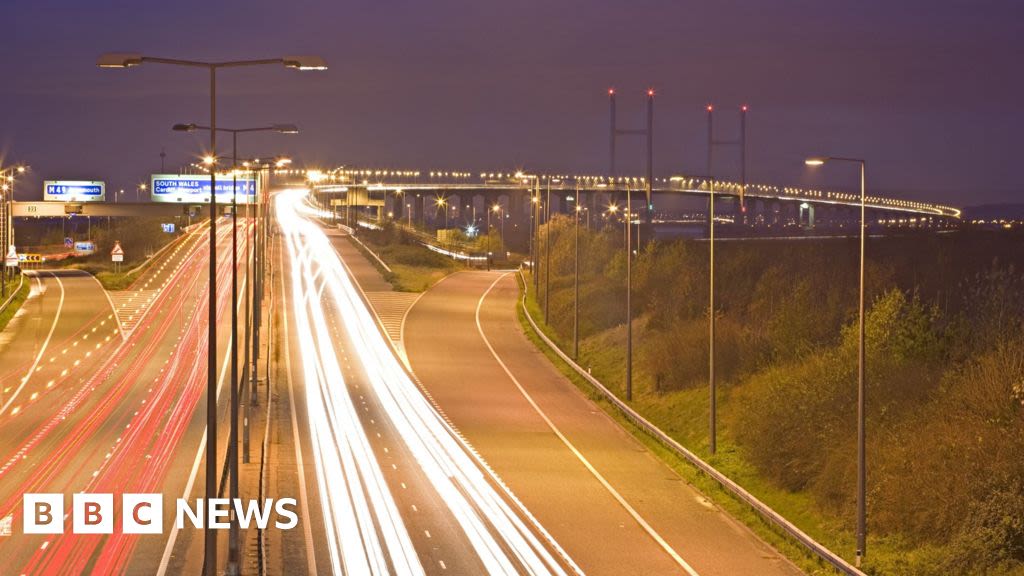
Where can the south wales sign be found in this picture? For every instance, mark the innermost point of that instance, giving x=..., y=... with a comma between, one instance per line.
x=195, y=188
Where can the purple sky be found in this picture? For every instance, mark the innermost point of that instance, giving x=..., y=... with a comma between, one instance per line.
x=930, y=93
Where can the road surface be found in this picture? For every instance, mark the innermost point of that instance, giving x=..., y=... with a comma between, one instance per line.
x=108, y=395
x=396, y=489
x=612, y=504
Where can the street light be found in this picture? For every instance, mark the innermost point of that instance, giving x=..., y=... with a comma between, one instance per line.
x=629, y=296
x=234, y=400
x=547, y=252
x=128, y=60
x=576, y=282
x=442, y=203
x=7, y=237
x=534, y=225
x=861, y=369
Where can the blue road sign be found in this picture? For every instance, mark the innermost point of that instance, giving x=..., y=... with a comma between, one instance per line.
x=74, y=191
x=195, y=188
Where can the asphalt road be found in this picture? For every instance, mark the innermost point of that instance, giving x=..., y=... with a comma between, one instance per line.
x=613, y=506
x=395, y=489
x=108, y=410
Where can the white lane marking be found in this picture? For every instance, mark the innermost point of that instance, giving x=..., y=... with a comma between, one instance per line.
x=166, y=558
x=604, y=482
x=124, y=336
x=42, y=349
x=307, y=524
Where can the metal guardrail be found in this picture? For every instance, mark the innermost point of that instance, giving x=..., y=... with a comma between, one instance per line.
x=21, y=281
x=766, y=512
x=372, y=253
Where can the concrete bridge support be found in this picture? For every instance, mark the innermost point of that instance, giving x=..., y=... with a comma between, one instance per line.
x=807, y=215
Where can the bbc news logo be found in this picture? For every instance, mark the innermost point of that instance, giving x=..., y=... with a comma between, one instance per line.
x=94, y=513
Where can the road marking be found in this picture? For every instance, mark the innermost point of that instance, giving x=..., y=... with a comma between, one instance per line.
x=304, y=502
x=169, y=548
x=42, y=350
x=586, y=463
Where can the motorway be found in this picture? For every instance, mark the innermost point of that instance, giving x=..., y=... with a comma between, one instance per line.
x=606, y=499
x=398, y=491
x=485, y=460
x=106, y=395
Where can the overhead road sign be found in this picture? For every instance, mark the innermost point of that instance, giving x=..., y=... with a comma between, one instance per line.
x=74, y=191
x=195, y=188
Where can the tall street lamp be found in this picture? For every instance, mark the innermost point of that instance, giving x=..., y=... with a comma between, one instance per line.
x=443, y=204
x=576, y=281
x=861, y=369
x=534, y=222
x=233, y=537
x=496, y=209
x=7, y=199
x=128, y=60
x=547, y=252
x=629, y=296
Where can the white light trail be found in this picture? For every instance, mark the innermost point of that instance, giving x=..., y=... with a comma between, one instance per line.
x=355, y=498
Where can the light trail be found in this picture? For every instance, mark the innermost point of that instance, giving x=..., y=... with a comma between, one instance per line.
x=138, y=459
x=504, y=543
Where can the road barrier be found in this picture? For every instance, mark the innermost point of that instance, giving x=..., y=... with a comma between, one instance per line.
x=762, y=509
x=21, y=280
x=372, y=253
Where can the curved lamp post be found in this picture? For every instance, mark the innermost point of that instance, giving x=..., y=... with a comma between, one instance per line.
x=861, y=376
x=129, y=60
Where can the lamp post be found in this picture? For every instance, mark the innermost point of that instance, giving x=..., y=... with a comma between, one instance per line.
x=712, y=382
x=260, y=234
x=629, y=296
x=861, y=368
x=534, y=221
x=547, y=252
x=576, y=282
x=442, y=203
x=496, y=209
x=7, y=199
x=127, y=60
x=233, y=536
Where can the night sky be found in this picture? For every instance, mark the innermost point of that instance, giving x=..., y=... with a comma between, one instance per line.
x=930, y=92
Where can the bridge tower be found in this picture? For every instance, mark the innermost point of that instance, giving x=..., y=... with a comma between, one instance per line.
x=740, y=208
x=648, y=132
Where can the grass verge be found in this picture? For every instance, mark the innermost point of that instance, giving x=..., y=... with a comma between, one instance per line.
x=15, y=304
x=413, y=267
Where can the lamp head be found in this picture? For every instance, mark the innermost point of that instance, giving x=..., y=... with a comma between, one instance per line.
x=119, y=60
x=285, y=128
x=184, y=127
x=815, y=160
x=305, y=62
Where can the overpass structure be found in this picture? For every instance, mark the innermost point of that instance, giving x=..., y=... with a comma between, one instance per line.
x=421, y=196
x=51, y=209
